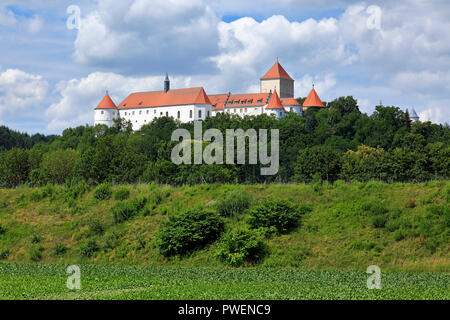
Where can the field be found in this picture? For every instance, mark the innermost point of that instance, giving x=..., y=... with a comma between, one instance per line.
x=37, y=281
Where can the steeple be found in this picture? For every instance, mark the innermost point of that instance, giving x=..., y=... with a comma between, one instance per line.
x=166, y=83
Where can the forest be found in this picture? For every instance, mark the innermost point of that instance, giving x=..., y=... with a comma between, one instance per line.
x=336, y=143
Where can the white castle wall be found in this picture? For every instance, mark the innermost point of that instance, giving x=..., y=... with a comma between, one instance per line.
x=105, y=116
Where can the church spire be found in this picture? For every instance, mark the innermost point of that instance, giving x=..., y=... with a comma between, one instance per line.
x=166, y=83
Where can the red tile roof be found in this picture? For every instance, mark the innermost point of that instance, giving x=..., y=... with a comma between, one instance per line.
x=218, y=101
x=275, y=102
x=276, y=72
x=106, y=103
x=176, y=97
x=245, y=100
x=288, y=102
x=313, y=100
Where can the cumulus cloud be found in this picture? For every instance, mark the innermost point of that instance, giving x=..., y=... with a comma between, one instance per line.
x=148, y=36
x=20, y=91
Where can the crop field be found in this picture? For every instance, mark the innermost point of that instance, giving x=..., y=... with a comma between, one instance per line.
x=48, y=281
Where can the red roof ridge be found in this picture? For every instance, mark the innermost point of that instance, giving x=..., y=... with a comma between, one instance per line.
x=313, y=100
x=277, y=72
x=275, y=102
x=106, y=103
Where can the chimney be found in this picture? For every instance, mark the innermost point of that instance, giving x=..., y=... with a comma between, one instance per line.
x=166, y=84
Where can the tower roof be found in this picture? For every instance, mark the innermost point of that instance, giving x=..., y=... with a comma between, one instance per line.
x=277, y=72
x=313, y=100
x=106, y=103
x=414, y=114
x=275, y=102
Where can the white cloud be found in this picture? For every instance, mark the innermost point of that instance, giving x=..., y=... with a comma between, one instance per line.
x=21, y=92
x=7, y=17
x=35, y=25
x=148, y=36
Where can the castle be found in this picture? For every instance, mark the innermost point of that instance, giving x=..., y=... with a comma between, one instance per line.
x=276, y=98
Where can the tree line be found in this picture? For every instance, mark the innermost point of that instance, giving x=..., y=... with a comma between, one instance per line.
x=338, y=142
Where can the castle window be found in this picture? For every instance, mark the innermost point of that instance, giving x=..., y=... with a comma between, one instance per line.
x=230, y=102
x=240, y=110
x=245, y=110
x=154, y=111
x=102, y=112
x=243, y=102
x=260, y=101
x=237, y=102
x=178, y=114
x=161, y=114
x=199, y=113
x=133, y=113
x=190, y=114
x=250, y=101
x=167, y=114
x=125, y=113
x=208, y=114
x=148, y=111
x=140, y=112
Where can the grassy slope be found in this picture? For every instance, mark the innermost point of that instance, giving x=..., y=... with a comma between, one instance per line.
x=337, y=234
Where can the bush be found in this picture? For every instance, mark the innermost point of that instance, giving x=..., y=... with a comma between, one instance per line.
x=96, y=227
x=4, y=254
x=281, y=214
x=89, y=248
x=242, y=247
x=411, y=203
x=36, y=196
x=59, y=250
x=123, y=211
x=35, y=254
x=76, y=191
x=374, y=208
x=102, y=192
x=399, y=235
x=121, y=194
x=236, y=202
x=2, y=230
x=35, y=239
x=189, y=230
x=379, y=221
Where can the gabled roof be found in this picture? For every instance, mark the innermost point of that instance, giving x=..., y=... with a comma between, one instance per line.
x=218, y=101
x=275, y=102
x=176, y=97
x=290, y=102
x=313, y=100
x=106, y=103
x=276, y=72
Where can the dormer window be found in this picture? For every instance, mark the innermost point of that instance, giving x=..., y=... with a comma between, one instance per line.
x=260, y=101
x=230, y=102
x=250, y=101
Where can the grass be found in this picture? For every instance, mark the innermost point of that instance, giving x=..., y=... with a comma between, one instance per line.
x=41, y=281
x=338, y=233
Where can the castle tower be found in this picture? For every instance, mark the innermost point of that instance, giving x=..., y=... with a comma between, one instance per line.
x=106, y=111
x=278, y=79
x=312, y=101
x=413, y=116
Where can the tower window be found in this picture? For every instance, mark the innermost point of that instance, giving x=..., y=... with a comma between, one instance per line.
x=190, y=114
x=178, y=115
x=199, y=113
x=208, y=114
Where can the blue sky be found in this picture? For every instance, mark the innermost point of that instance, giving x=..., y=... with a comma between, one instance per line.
x=51, y=77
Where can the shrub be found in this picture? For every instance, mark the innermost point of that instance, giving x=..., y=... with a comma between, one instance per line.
x=89, y=248
x=102, y=192
x=241, y=247
x=35, y=254
x=123, y=211
x=36, y=195
x=2, y=230
x=411, y=203
x=236, y=202
x=399, y=235
x=121, y=194
x=281, y=214
x=374, y=208
x=379, y=221
x=76, y=191
x=96, y=227
x=189, y=230
x=35, y=239
x=4, y=254
x=59, y=249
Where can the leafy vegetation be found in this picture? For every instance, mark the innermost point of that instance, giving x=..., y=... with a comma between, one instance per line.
x=188, y=231
x=234, y=203
x=103, y=192
x=34, y=281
